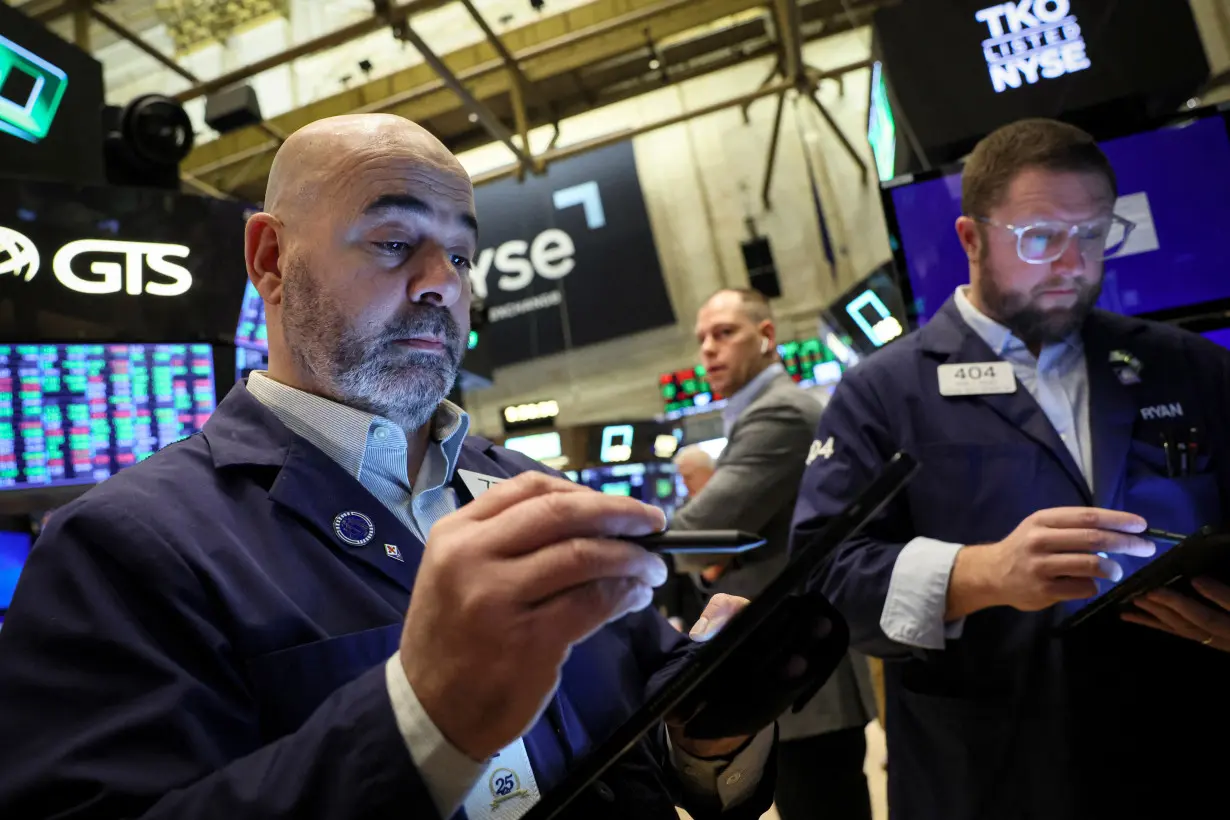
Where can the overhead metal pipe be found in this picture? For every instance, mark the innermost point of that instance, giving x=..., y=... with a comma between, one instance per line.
x=557, y=154
x=131, y=36
x=322, y=43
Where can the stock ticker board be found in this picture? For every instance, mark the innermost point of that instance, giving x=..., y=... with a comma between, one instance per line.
x=78, y=413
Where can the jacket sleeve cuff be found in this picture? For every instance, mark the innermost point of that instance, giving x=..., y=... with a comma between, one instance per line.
x=918, y=595
x=448, y=773
x=729, y=781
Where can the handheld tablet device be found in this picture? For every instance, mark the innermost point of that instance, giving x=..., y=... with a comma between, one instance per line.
x=709, y=658
x=1197, y=554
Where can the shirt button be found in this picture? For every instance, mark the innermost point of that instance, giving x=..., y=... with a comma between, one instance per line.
x=382, y=433
x=604, y=792
x=734, y=778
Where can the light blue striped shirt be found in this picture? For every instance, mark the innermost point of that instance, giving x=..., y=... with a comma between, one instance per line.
x=374, y=450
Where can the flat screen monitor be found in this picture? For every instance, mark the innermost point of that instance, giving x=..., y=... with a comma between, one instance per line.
x=76, y=414
x=1221, y=336
x=252, y=332
x=14, y=549
x=248, y=359
x=543, y=447
x=1173, y=185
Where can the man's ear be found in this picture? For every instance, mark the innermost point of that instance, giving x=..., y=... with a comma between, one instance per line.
x=970, y=237
x=262, y=252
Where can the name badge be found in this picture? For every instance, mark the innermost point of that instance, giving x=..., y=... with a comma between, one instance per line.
x=976, y=379
x=477, y=483
x=507, y=789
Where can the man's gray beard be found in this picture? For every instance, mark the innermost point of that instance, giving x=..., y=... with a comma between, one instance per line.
x=369, y=372
x=1030, y=324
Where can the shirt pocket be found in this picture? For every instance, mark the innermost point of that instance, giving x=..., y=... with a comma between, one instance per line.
x=1183, y=503
x=290, y=684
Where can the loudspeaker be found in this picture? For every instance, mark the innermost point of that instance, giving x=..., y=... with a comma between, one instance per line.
x=761, y=272
x=232, y=108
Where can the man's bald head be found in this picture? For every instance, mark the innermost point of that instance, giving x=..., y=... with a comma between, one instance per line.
x=318, y=157
x=363, y=257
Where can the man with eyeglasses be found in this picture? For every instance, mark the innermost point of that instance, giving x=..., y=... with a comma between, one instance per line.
x=1048, y=434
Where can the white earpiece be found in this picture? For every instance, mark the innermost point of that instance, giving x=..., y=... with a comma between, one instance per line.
x=764, y=346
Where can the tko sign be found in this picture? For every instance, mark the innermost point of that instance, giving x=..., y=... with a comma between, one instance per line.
x=1031, y=40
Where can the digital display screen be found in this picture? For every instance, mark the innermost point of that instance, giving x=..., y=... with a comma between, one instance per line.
x=1172, y=185
x=248, y=359
x=76, y=414
x=1220, y=336
x=51, y=98
x=14, y=549
x=103, y=264
x=252, y=333
x=803, y=357
x=538, y=446
x=958, y=69
x=686, y=389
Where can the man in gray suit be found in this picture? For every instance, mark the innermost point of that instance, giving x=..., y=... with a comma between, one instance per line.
x=770, y=424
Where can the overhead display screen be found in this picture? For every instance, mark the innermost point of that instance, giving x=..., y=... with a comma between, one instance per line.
x=1173, y=185
x=14, y=549
x=567, y=259
x=76, y=414
x=51, y=99
x=961, y=68
x=102, y=264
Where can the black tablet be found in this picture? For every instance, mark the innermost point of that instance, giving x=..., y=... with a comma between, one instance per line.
x=708, y=658
x=700, y=542
x=1199, y=554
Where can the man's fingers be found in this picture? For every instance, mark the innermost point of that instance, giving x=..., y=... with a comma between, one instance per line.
x=1215, y=591
x=1081, y=565
x=1089, y=540
x=1071, y=589
x=1174, y=622
x=1090, y=518
x=544, y=573
x=575, y=614
x=1144, y=619
x=558, y=516
x=720, y=609
x=1204, y=619
x=504, y=494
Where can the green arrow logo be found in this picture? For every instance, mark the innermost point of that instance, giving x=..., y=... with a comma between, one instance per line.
x=30, y=92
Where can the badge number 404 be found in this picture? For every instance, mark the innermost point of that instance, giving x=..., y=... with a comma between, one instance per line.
x=976, y=379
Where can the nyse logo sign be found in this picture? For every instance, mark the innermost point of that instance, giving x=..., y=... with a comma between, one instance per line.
x=1031, y=40
x=550, y=254
x=30, y=92
x=101, y=266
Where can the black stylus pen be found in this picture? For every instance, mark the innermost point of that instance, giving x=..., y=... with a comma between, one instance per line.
x=698, y=541
x=1162, y=535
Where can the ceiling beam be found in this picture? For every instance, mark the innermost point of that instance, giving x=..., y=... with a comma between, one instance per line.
x=322, y=43
x=419, y=93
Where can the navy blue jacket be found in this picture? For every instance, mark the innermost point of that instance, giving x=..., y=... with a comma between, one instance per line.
x=191, y=640
x=1011, y=720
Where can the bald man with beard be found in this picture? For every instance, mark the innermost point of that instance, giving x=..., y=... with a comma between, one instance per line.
x=333, y=602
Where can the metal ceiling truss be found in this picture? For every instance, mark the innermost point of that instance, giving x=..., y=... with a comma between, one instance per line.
x=589, y=56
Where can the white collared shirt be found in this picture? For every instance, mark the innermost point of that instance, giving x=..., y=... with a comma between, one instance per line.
x=374, y=450
x=1058, y=380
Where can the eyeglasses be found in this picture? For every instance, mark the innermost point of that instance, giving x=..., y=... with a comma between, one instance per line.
x=1045, y=241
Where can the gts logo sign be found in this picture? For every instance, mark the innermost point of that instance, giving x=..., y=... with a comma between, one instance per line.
x=101, y=266
x=549, y=254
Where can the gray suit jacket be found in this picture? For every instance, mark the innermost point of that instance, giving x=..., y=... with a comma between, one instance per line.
x=754, y=489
